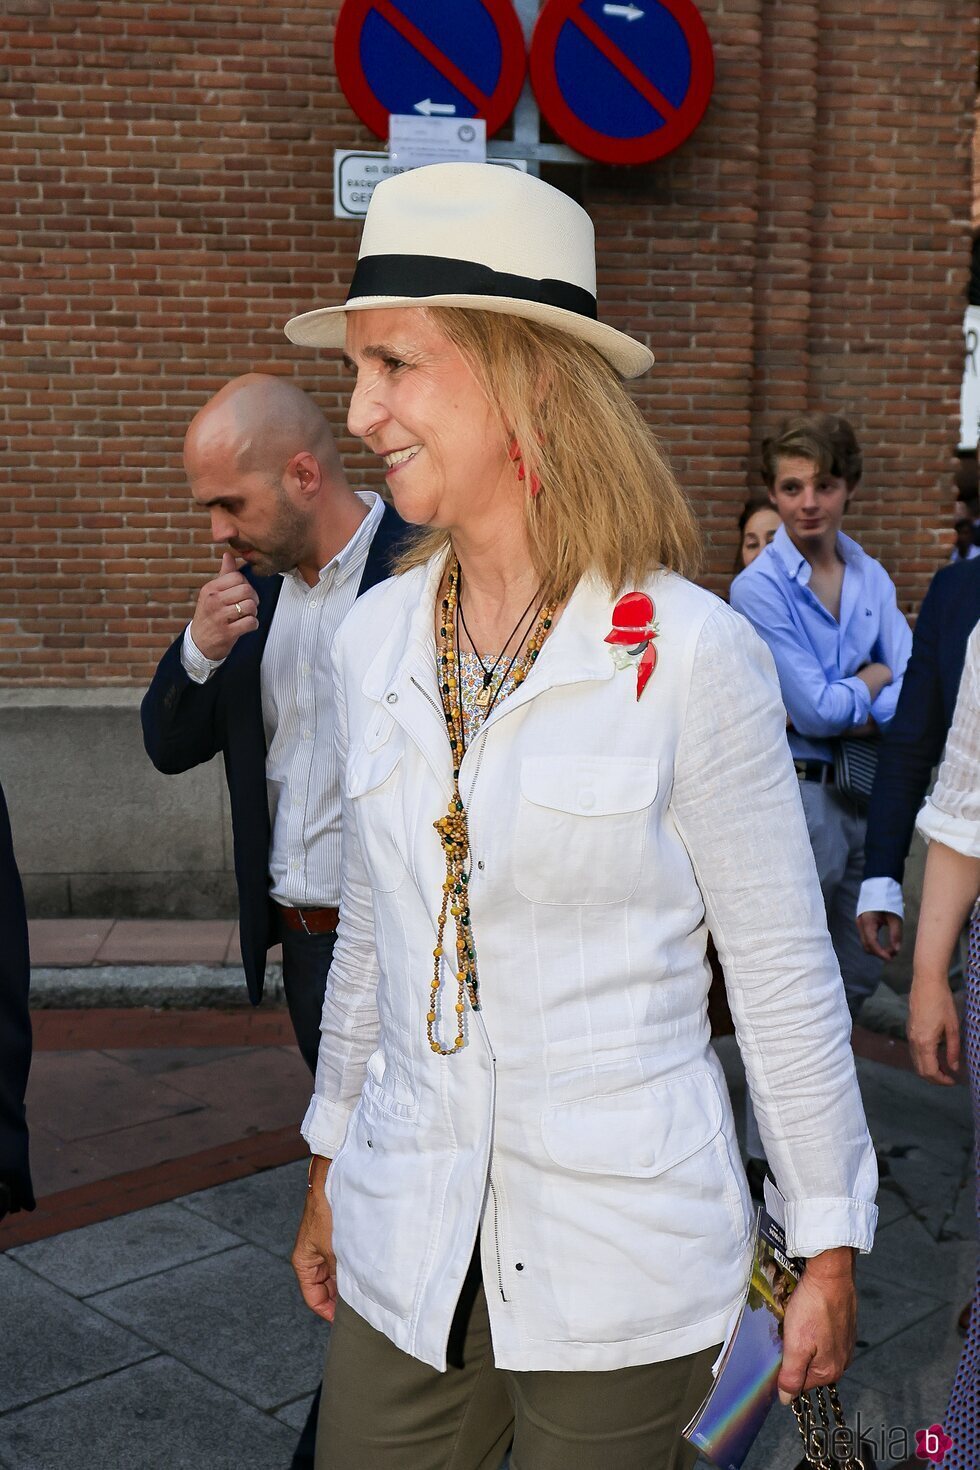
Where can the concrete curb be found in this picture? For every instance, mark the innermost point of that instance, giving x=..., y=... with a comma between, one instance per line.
x=166, y=986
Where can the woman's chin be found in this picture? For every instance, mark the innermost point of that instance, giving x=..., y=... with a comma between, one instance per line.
x=415, y=509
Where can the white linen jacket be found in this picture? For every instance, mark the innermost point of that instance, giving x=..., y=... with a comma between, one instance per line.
x=585, y=1129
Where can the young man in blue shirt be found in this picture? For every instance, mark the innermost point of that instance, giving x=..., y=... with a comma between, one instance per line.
x=830, y=617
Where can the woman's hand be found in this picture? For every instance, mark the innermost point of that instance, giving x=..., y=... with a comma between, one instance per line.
x=933, y=1021
x=313, y=1259
x=820, y=1323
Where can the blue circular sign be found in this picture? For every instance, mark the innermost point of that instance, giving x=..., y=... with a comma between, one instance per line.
x=437, y=58
x=622, y=83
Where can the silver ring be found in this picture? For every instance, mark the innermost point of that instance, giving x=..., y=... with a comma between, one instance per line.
x=238, y=608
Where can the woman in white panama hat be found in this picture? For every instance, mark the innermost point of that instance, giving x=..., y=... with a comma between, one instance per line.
x=527, y=1215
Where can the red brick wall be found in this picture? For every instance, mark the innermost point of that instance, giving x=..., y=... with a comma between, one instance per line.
x=166, y=171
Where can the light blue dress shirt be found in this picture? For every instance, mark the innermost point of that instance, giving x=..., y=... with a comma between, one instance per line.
x=817, y=657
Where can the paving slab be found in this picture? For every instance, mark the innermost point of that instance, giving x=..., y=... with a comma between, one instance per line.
x=157, y=1061
x=161, y=941
x=892, y=1205
x=157, y=1416
x=905, y=1111
x=200, y=1127
x=271, y=1084
x=264, y=1208
x=57, y=1165
x=67, y=941
x=906, y=1251
x=887, y=1308
x=114, y=1252
x=49, y=1342
x=237, y=1317
x=922, y=1360
x=296, y=1413
x=114, y=1095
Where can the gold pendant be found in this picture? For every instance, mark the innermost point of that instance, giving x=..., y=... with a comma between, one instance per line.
x=483, y=698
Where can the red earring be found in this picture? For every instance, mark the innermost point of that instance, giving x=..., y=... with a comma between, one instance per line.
x=514, y=453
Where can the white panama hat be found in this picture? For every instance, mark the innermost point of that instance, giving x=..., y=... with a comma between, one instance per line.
x=483, y=236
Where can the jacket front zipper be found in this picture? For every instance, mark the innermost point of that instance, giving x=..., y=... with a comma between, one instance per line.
x=496, y=1239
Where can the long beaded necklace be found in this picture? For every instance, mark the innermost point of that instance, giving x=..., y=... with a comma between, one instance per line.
x=452, y=828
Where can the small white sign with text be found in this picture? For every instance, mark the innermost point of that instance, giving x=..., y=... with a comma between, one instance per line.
x=357, y=173
x=415, y=140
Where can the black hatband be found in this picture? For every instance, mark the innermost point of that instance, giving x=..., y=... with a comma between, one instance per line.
x=437, y=275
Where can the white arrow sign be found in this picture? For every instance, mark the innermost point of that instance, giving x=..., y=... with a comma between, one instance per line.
x=431, y=109
x=628, y=12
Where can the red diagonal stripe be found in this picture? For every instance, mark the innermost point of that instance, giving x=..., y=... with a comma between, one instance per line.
x=432, y=54
x=623, y=64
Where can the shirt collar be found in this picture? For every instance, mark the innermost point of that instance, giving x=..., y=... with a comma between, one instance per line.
x=795, y=564
x=351, y=557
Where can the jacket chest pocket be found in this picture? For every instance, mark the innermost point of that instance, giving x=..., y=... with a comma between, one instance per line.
x=373, y=786
x=581, y=828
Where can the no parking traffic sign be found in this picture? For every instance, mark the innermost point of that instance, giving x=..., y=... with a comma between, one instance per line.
x=622, y=83
x=439, y=58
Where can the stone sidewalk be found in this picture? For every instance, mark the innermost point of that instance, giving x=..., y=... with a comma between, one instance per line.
x=149, y=1316
x=174, y=1335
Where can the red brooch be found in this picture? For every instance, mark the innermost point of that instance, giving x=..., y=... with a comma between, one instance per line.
x=633, y=632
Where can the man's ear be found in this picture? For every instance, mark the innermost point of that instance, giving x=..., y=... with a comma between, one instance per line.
x=303, y=476
x=770, y=491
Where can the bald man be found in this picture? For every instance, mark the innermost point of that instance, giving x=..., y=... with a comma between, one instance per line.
x=250, y=674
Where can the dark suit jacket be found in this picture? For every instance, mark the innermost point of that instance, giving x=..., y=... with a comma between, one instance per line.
x=15, y=1029
x=915, y=738
x=185, y=724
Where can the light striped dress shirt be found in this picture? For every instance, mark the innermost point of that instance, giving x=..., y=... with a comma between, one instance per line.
x=302, y=772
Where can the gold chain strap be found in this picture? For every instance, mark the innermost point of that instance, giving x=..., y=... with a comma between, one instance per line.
x=816, y=1426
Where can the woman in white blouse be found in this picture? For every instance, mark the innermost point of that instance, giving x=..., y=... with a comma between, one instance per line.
x=950, y=821
x=561, y=761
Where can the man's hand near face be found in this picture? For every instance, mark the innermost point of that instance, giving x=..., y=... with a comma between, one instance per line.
x=226, y=608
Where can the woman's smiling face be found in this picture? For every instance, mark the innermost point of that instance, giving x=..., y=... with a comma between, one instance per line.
x=417, y=403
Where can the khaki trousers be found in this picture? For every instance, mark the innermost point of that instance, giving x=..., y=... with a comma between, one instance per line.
x=384, y=1410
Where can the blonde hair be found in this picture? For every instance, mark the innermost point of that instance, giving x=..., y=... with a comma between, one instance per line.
x=609, y=503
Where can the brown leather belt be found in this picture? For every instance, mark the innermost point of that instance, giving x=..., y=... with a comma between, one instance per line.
x=310, y=921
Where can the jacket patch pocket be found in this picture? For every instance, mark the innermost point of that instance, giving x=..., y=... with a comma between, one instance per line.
x=382, y=1196
x=373, y=785
x=639, y=1132
x=657, y=1224
x=581, y=828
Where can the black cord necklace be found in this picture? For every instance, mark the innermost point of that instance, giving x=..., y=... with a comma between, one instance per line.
x=484, y=696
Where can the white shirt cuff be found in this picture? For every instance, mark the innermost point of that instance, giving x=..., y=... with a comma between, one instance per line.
x=816, y=1225
x=881, y=896
x=197, y=665
x=325, y=1127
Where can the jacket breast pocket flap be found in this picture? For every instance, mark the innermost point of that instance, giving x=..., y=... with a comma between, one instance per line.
x=581, y=827
x=640, y=1132
x=371, y=784
x=369, y=770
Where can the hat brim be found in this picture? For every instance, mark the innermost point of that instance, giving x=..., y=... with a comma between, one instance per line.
x=327, y=326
